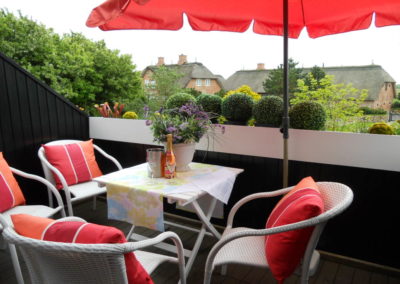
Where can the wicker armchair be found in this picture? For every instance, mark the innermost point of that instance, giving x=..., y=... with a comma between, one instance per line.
x=54, y=262
x=75, y=192
x=247, y=246
x=36, y=210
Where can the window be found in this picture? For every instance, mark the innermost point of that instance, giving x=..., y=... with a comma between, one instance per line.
x=199, y=82
x=208, y=82
x=146, y=82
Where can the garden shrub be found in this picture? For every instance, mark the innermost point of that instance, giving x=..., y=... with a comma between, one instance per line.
x=307, y=115
x=237, y=107
x=210, y=103
x=396, y=104
x=268, y=110
x=381, y=128
x=130, y=115
x=372, y=111
x=178, y=100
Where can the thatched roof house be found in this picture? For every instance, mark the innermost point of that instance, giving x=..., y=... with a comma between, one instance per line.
x=195, y=75
x=379, y=83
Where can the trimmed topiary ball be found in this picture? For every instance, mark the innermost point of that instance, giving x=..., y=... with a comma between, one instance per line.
x=210, y=103
x=237, y=107
x=381, y=128
x=268, y=110
x=130, y=115
x=307, y=115
x=178, y=100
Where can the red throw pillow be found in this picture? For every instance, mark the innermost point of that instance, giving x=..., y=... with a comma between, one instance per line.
x=285, y=250
x=79, y=232
x=76, y=162
x=10, y=192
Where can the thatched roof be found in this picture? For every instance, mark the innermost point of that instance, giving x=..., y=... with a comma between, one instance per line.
x=252, y=78
x=369, y=77
x=189, y=71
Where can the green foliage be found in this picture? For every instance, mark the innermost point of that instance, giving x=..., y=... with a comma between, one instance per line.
x=269, y=110
x=81, y=70
x=273, y=85
x=340, y=102
x=373, y=111
x=210, y=103
x=316, y=73
x=381, y=128
x=307, y=115
x=244, y=90
x=396, y=104
x=130, y=115
x=166, y=83
x=237, y=107
x=178, y=100
x=137, y=105
x=221, y=93
x=191, y=91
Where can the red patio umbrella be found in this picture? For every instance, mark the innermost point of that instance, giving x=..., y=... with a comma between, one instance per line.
x=270, y=17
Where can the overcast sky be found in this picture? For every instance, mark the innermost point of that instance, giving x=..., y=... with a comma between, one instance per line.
x=222, y=52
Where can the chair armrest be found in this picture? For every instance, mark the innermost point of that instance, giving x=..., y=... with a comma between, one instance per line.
x=44, y=181
x=131, y=246
x=115, y=161
x=251, y=197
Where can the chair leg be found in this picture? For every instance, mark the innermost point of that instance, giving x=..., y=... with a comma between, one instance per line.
x=224, y=269
x=17, y=267
x=94, y=203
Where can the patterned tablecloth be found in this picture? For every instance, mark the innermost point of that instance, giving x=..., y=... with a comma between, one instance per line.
x=135, y=198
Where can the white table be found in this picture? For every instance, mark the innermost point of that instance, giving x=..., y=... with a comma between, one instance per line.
x=192, y=185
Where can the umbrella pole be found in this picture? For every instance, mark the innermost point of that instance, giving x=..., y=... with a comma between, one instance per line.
x=285, y=119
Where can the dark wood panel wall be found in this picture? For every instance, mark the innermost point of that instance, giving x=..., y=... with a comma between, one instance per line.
x=366, y=231
x=32, y=114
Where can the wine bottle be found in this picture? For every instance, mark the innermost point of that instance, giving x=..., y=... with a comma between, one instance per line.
x=169, y=169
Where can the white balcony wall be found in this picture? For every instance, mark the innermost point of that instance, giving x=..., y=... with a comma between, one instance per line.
x=336, y=148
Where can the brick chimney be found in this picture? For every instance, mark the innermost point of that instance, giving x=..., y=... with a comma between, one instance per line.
x=160, y=61
x=182, y=59
x=260, y=66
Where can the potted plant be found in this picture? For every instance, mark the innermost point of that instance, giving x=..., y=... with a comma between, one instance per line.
x=210, y=103
x=268, y=111
x=307, y=115
x=237, y=108
x=178, y=100
x=187, y=124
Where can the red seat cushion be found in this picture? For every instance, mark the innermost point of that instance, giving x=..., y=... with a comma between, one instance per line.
x=79, y=232
x=76, y=162
x=285, y=250
x=10, y=192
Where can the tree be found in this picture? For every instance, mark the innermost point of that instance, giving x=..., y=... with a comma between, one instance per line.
x=84, y=71
x=318, y=74
x=273, y=85
x=341, y=102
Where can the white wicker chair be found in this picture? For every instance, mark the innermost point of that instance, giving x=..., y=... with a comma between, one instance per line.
x=54, y=262
x=247, y=246
x=36, y=210
x=79, y=191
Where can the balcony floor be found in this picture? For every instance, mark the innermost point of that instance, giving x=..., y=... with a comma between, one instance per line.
x=331, y=270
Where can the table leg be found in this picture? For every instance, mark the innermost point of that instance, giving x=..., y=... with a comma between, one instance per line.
x=205, y=218
x=130, y=232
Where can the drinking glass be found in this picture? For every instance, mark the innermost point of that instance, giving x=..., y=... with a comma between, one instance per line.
x=153, y=157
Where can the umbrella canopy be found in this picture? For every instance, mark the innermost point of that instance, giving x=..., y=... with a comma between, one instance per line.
x=269, y=17
x=320, y=17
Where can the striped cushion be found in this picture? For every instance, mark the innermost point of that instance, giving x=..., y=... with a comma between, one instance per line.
x=76, y=162
x=10, y=192
x=285, y=250
x=79, y=232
